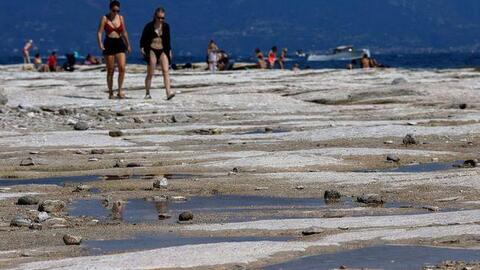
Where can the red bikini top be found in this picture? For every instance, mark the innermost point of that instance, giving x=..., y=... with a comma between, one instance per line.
x=110, y=29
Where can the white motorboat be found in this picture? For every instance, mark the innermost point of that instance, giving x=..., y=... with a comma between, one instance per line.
x=342, y=53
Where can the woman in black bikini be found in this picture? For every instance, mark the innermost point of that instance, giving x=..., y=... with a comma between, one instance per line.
x=155, y=47
x=115, y=46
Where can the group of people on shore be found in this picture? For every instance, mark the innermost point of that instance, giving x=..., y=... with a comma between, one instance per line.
x=273, y=60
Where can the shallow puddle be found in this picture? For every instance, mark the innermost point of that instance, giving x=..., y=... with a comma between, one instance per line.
x=148, y=242
x=232, y=207
x=421, y=168
x=58, y=181
x=381, y=257
x=70, y=180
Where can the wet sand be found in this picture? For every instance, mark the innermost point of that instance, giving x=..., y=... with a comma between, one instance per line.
x=276, y=139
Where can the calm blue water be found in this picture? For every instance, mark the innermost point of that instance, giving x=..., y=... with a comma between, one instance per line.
x=430, y=60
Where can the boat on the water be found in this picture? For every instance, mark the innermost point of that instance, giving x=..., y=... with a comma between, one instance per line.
x=342, y=53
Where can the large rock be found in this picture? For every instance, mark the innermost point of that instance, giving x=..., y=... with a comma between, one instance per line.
x=41, y=217
x=332, y=196
x=3, y=97
x=81, y=126
x=409, y=140
x=27, y=200
x=185, y=216
x=27, y=162
x=160, y=183
x=52, y=206
x=21, y=222
x=399, y=81
x=55, y=223
x=393, y=158
x=115, y=133
x=312, y=231
x=72, y=240
x=373, y=199
x=180, y=118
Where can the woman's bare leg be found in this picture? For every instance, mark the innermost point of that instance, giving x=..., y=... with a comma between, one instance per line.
x=122, y=61
x=110, y=62
x=166, y=75
x=150, y=73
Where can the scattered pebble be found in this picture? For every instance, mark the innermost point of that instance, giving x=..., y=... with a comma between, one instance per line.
x=71, y=240
x=81, y=126
x=115, y=133
x=97, y=152
x=331, y=196
x=27, y=162
x=21, y=222
x=371, y=199
x=138, y=120
x=431, y=208
x=410, y=140
x=161, y=183
x=472, y=163
x=177, y=198
x=185, y=216
x=27, y=200
x=261, y=188
x=52, y=206
x=312, y=231
x=393, y=158
x=134, y=165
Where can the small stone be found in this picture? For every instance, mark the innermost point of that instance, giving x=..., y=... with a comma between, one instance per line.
x=93, y=222
x=81, y=188
x=27, y=162
x=393, y=158
x=93, y=159
x=463, y=106
x=138, y=120
x=81, y=126
x=36, y=226
x=47, y=109
x=52, y=206
x=64, y=111
x=399, y=81
x=55, y=223
x=312, y=231
x=431, y=208
x=371, y=199
x=161, y=183
x=21, y=222
x=300, y=187
x=180, y=118
x=261, y=188
x=163, y=216
x=185, y=216
x=27, y=200
x=177, y=198
x=388, y=142
x=34, y=152
x=41, y=217
x=472, y=163
x=134, y=165
x=120, y=114
x=71, y=240
x=115, y=133
x=97, y=152
x=409, y=140
x=331, y=196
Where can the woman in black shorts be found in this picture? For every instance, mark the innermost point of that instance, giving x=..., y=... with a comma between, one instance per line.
x=115, y=45
x=156, y=48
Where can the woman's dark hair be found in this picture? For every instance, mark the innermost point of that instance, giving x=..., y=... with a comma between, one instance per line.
x=274, y=48
x=114, y=3
x=257, y=50
x=37, y=55
x=159, y=9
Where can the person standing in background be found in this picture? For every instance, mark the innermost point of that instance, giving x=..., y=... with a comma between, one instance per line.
x=52, y=62
x=156, y=47
x=212, y=54
x=26, y=51
x=283, y=57
x=262, y=64
x=272, y=57
x=115, y=46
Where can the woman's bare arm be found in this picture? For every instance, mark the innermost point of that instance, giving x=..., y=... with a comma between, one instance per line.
x=125, y=35
x=100, y=30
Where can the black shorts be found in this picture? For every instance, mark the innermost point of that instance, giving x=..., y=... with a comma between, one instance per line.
x=114, y=46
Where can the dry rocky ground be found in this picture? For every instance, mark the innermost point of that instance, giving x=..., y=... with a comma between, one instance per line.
x=252, y=153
